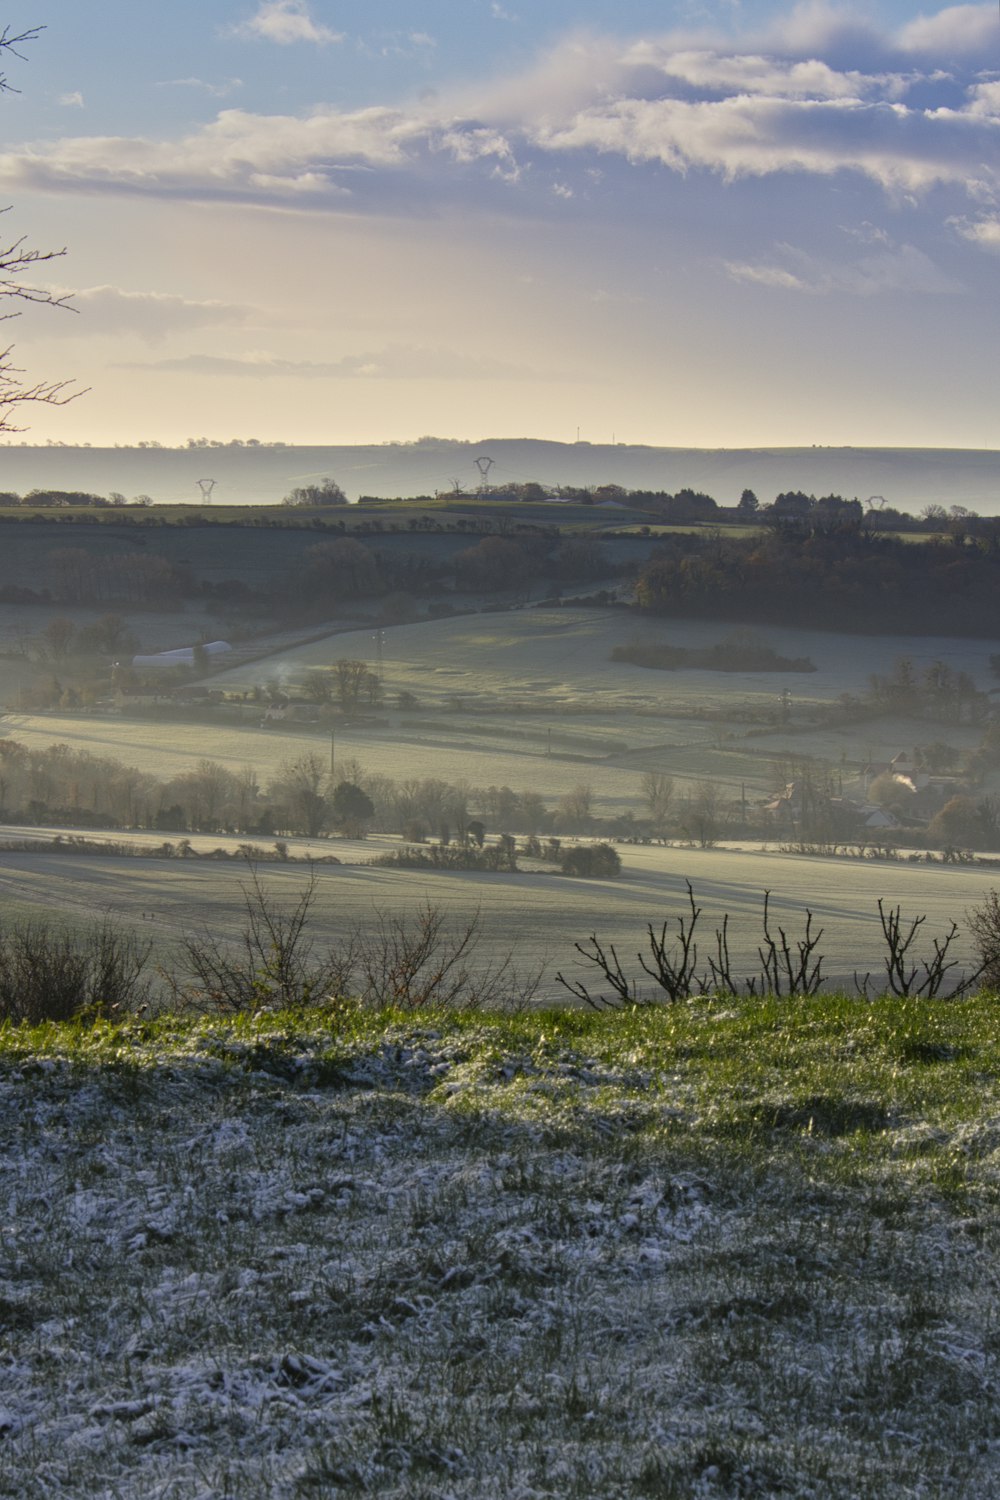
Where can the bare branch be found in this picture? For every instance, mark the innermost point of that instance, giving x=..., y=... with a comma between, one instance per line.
x=9, y=42
x=18, y=259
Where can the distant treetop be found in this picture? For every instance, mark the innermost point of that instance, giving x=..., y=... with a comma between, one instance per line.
x=326, y=492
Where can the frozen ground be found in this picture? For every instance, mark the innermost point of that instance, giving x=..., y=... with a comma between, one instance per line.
x=310, y=1258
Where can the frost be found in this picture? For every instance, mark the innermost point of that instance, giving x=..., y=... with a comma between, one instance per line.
x=471, y=1272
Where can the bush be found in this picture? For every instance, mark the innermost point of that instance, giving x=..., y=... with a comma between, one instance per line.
x=592, y=861
x=984, y=924
x=47, y=975
x=274, y=964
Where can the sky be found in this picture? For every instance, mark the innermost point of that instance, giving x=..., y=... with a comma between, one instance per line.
x=719, y=224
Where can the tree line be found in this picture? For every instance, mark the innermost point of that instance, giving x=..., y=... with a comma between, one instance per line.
x=832, y=580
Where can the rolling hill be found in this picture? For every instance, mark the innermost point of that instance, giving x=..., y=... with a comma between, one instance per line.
x=907, y=478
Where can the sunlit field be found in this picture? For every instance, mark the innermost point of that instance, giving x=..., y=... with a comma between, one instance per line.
x=540, y=916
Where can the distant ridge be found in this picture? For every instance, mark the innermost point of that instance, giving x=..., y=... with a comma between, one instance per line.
x=908, y=478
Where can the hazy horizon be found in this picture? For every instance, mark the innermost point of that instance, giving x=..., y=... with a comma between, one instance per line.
x=907, y=479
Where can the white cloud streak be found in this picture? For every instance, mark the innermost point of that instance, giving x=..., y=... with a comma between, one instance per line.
x=150, y=316
x=904, y=269
x=395, y=362
x=286, y=22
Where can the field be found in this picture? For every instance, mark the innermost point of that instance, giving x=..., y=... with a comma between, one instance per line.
x=731, y=1249
x=539, y=915
x=708, y=1251
x=532, y=699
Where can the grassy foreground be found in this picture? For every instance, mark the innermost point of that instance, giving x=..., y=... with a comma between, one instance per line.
x=738, y=1250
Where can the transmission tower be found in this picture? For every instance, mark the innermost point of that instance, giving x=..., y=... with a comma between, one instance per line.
x=484, y=465
x=206, y=486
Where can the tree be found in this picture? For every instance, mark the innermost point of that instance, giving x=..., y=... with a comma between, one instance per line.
x=702, y=816
x=318, y=687
x=748, y=504
x=658, y=791
x=574, y=809
x=298, y=787
x=352, y=808
x=594, y=862
x=326, y=492
x=352, y=679
x=959, y=823
x=57, y=638
x=17, y=260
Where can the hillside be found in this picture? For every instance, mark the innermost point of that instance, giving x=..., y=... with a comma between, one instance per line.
x=907, y=478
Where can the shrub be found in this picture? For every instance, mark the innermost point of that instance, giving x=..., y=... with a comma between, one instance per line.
x=421, y=960
x=592, y=861
x=274, y=964
x=47, y=975
x=984, y=924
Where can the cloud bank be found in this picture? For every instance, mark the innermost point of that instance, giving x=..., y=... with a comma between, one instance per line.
x=911, y=113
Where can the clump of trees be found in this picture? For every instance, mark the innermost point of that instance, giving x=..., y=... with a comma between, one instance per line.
x=740, y=652
x=325, y=492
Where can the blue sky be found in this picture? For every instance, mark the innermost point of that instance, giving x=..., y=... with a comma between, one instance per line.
x=717, y=225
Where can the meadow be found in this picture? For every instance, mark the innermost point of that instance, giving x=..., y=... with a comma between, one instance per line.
x=531, y=698
x=540, y=916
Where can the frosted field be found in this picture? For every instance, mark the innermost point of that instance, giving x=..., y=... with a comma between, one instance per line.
x=715, y=1253
x=532, y=700
x=542, y=916
x=603, y=722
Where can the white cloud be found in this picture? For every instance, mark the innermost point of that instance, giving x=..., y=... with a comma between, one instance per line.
x=775, y=77
x=215, y=90
x=903, y=269
x=148, y=315
x=592, y=113
x=984, y=233
x=412, y=44
x=286, y=22
x=741, y=136
x=72, y=101
x=395, y=362
x=961, y=30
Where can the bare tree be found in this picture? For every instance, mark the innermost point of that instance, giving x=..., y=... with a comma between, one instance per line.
x=17, y=261
x=658, y=792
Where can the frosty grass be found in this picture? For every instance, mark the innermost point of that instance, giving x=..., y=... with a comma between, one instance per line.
x=743, y=1251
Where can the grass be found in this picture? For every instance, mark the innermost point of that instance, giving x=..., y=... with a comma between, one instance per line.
x=711, y=1250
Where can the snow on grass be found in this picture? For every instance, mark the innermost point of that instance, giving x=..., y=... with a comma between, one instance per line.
x=707, y=1252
